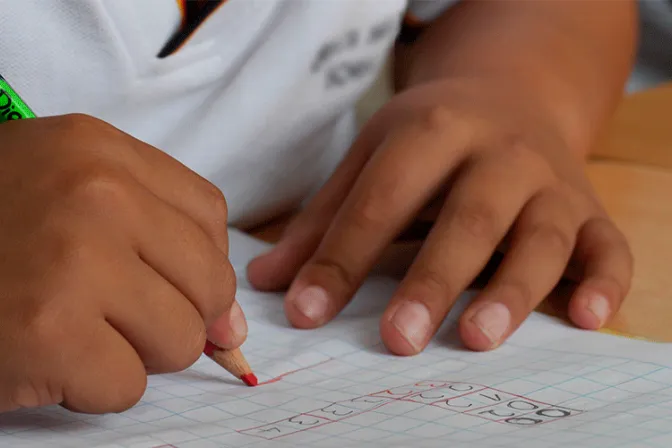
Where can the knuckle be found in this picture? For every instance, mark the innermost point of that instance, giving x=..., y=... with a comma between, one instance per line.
x=218, y=206
x=76, y=127
x=308, y=227
x=90, y=138
x=434, y=280
x=438, y=118
x=604, y=234
x=522, y=155
x=518, y=148
x=78, y=121
x=619, y=239
x=371, y=210
x=98, y=188
x=552, y=235
x=516, y=292
x=24, y=396
x=29, y=395
x=216, y=215
x=69, y=257
x=336, y=272
x=479, y=221
x=42, y=325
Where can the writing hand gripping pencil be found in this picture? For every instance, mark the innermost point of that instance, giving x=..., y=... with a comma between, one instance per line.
x=114, y=264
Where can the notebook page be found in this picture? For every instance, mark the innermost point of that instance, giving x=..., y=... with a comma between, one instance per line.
x=549, y=386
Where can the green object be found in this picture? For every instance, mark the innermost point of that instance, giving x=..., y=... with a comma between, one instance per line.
x=12, y=107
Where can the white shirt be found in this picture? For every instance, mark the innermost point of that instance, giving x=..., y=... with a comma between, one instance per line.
x=259, y=100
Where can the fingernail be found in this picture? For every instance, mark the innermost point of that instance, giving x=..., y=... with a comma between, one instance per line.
x=599, y=306
x=237, y=322
x=493, y=320
x=412, y=320
x=312, y=302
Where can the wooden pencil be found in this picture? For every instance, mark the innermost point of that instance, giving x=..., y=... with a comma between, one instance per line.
x=232, y=361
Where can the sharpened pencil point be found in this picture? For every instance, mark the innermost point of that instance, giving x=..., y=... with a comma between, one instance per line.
x=250, y=379
x=232, y=361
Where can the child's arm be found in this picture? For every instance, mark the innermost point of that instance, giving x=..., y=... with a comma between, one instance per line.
x=573, y=55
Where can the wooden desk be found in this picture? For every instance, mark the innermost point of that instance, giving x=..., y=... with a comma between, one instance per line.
x=641, y=130
x=632, y=172
x=638, y=199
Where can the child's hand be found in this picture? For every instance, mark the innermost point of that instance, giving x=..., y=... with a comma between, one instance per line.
x=113, y=264
x=503, y=173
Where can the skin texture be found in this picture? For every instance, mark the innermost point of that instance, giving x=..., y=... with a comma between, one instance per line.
x=498, y=103
x=114, y=265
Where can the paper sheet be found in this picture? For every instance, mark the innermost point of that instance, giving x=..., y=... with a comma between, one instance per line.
x=549, y=386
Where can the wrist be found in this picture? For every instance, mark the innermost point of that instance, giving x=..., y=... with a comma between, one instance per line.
x=572, y=113
x=570, y=60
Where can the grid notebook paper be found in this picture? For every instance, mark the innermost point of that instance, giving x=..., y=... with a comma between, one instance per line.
x=550, y=386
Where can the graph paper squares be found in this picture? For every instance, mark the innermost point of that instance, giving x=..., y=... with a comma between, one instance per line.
x=332, y=391
x=239, y=411
x=463, y=398
x=182, y=411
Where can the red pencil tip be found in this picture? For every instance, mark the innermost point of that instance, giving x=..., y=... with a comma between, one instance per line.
x=209, y=348
x=250, y=379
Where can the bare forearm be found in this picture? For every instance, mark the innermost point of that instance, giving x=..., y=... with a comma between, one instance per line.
x=574, y=56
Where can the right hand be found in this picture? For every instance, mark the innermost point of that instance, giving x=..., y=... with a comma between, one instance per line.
x=113, y=264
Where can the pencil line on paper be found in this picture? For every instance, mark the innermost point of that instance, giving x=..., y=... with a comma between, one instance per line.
x=278, y=378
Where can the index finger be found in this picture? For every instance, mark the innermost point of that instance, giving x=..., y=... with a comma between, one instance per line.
x=403, y=174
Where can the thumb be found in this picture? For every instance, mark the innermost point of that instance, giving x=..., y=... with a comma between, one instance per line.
x=229, y=331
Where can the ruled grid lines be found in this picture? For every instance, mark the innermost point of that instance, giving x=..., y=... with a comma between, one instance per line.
x=613, y=401
x=196, y=410
x=469, y=399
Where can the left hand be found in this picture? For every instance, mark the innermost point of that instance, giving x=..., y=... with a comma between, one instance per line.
x=501, y=172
